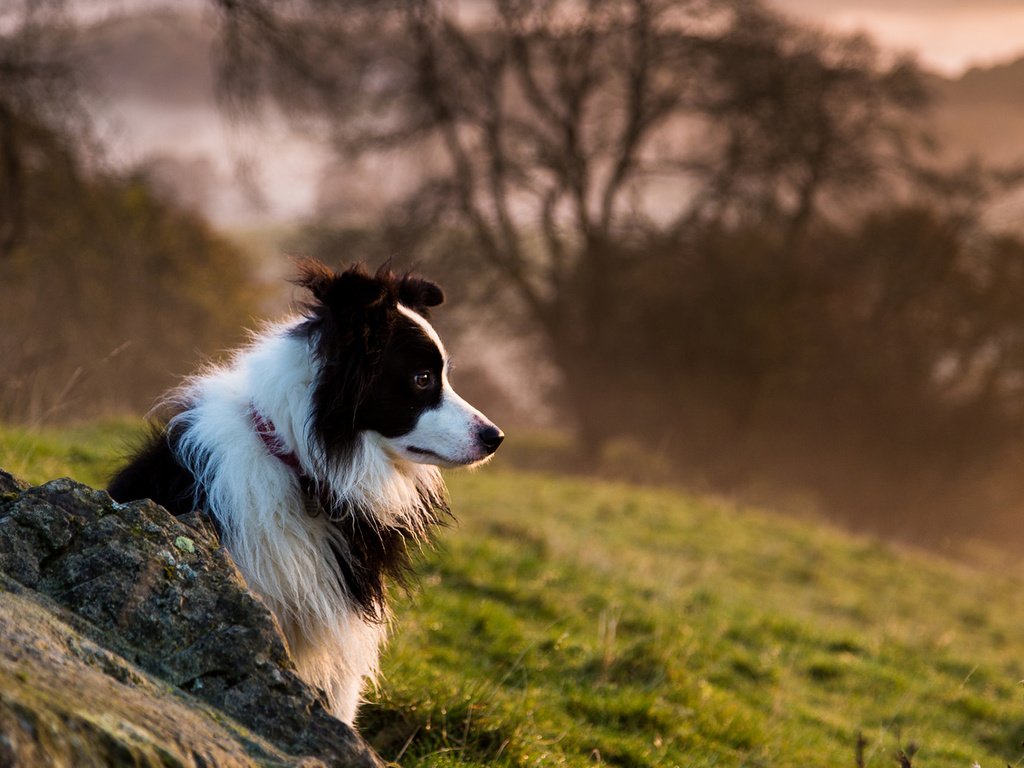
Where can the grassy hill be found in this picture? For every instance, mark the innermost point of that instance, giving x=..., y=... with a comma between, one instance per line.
x=569, y=622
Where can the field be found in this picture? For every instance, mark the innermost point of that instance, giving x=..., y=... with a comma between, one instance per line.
x=572, y=622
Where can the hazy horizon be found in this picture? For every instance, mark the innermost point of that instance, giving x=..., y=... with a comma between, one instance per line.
x=949, y=36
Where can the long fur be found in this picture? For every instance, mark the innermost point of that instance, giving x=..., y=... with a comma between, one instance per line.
x=289, y=558
x=319, y=544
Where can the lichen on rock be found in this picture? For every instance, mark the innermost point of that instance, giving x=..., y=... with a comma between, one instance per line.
x=127, y=635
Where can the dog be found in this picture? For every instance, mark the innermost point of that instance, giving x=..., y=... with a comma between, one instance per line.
x=315, y=452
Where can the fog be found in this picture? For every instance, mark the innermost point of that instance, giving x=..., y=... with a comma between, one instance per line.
x=769, y=259
x=271, y=175
x=949, y=36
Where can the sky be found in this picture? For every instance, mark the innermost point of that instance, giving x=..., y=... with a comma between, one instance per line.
x=949, y=36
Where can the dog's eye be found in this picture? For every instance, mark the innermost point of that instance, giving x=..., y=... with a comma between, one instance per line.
x=423, y=380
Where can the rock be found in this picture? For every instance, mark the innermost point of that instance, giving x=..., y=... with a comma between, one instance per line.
x=65, y=700
x=9, y=484
x=127, y=636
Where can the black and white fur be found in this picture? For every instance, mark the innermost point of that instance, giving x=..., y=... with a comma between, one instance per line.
x=356, y=390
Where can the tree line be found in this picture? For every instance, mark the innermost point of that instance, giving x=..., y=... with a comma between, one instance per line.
x=730, y=233
x=107, y=292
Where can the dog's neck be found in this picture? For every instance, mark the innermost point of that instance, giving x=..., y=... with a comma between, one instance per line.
x=391, y=491
x=273, y=442
x=366, y=548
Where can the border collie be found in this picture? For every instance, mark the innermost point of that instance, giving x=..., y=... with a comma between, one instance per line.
x=315, y=453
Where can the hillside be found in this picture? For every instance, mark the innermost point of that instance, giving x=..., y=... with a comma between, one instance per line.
x=572, y=623
x=982, y=113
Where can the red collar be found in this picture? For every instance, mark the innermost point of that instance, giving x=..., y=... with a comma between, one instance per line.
x=317, y=498
x=266, y=431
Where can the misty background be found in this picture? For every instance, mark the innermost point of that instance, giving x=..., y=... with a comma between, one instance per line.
x=769, y=250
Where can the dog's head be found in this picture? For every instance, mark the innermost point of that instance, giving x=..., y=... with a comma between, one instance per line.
x=382, y=368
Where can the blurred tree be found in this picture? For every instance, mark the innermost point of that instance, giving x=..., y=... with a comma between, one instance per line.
x=727, y=228
x=805, y=122
x=880, y=365
x=39, y=107
x=108, y=298
x=106, y=292
x=560, y=134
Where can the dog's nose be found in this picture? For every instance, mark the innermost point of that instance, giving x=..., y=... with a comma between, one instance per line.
x=491, y=437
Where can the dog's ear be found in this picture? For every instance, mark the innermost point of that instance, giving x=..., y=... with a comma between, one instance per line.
x=419, y=294
x=353, y=289
x=314, y=276
x=350, y=321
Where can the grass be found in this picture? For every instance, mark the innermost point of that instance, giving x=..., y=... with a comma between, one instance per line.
x=571, y=622
x=87, y=452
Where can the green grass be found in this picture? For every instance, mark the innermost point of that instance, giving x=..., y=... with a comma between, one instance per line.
x=87, y=452
x=570, y=622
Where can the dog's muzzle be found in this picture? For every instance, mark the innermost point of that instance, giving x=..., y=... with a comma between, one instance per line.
x=490, y=438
